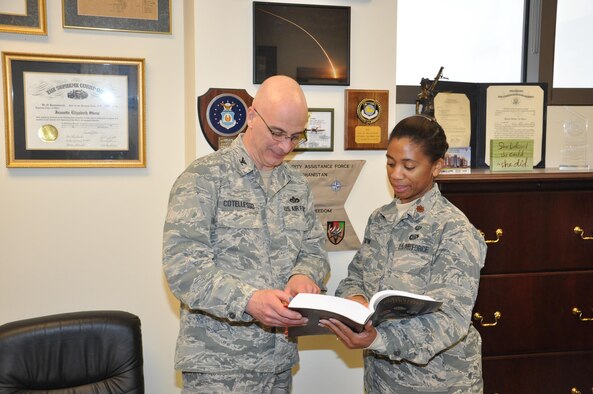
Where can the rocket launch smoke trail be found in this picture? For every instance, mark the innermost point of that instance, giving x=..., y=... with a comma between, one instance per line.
x=310, y=35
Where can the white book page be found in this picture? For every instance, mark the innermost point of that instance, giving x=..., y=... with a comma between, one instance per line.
x=351, y=309
x=386, y=293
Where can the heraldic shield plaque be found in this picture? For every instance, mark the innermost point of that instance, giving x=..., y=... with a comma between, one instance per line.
x=223, y=115
x=366, y=119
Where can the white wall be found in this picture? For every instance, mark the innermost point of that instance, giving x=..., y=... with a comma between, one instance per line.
x=81, y=239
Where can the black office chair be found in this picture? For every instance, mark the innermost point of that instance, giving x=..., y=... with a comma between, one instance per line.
x=72, y=353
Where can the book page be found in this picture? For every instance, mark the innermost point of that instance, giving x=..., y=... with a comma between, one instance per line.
x=341, y=306
x=393, y=304
x=387, y=293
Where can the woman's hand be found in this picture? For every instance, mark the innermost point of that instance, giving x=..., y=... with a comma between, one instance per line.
x=348, y=337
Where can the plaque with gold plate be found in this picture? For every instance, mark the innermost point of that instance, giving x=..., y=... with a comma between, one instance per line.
x=223, y=115
x=366, y=119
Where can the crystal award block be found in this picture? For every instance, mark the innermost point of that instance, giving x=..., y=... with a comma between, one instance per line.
x=574, y=141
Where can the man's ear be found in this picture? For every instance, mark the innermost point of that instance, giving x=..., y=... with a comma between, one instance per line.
x=250, y=116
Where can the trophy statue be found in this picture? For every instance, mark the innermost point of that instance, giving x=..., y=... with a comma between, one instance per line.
x=426, y=96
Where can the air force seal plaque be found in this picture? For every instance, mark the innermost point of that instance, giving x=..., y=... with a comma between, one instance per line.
x=223, y=115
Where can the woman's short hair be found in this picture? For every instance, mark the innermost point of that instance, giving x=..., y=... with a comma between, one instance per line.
x=425, y=132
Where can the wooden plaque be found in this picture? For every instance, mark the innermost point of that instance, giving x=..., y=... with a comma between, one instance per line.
x=223, y=115
x=366, y=119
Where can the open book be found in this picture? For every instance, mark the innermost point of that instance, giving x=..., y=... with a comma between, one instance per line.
x=386, y=304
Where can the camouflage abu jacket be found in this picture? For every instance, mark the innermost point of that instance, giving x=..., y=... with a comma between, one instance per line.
x=433, y=250
x=224, y=238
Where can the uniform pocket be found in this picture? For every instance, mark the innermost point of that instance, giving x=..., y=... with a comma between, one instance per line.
x=295, y=221
x=411, y=267
x=244, y=218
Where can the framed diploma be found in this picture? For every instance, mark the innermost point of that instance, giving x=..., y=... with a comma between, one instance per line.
x=320, y=131
x=139, y=16
x=65, y=111
x=25, y=17
x=366, y=119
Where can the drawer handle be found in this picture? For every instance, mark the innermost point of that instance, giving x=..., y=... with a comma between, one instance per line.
x=493, y=241
x=478, y=316
x=580, y=232
x=577, y=311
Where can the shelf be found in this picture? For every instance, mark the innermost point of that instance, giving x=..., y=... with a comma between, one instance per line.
x=539, y=174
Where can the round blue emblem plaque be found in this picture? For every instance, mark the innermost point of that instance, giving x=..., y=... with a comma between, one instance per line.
x=227, y=115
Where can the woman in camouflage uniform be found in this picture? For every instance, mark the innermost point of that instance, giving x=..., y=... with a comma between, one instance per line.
x=423, y=244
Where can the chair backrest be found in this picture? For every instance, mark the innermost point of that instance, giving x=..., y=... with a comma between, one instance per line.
x=72, y=353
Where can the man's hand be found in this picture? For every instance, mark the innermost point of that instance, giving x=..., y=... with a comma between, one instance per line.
x=301, y=284
x=348, y=337
x=269, y=307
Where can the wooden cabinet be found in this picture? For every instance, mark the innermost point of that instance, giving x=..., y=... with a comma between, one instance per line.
x=535, y=303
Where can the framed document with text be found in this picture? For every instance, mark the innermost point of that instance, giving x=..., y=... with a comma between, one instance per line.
x=138, y=16
x=320, y=131
x=496, y=111
x=66, y=111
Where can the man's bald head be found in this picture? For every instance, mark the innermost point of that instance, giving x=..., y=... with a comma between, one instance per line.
x=283, y=94
x=280, y=107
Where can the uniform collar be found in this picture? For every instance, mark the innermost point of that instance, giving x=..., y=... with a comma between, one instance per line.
x=244, y=164
x=241, y=159
x=419, y=208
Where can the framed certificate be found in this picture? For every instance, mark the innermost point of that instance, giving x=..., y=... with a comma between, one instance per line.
x=124, y=15
x=25, y=17
x=320, y=131
x=65, y=111
x=496, y=111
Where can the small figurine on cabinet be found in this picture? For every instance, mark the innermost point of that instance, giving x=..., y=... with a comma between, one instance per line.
x=426, y=96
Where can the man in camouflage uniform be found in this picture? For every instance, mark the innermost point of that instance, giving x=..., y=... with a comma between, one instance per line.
x=423, y=244
x=241, y=237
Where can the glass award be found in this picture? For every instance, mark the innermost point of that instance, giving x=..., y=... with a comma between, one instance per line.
x=574, y=141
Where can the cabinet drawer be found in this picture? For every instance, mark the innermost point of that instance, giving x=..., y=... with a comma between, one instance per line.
x=538, y=229
x=536, y=313
x=541, y=374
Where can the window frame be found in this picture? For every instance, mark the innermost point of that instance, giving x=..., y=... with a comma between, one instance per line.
x=556, y=96
x=538, y=58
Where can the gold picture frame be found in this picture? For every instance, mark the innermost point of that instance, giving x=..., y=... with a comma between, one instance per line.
x=129, y=15
x=68, y=111
x=34, y=21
